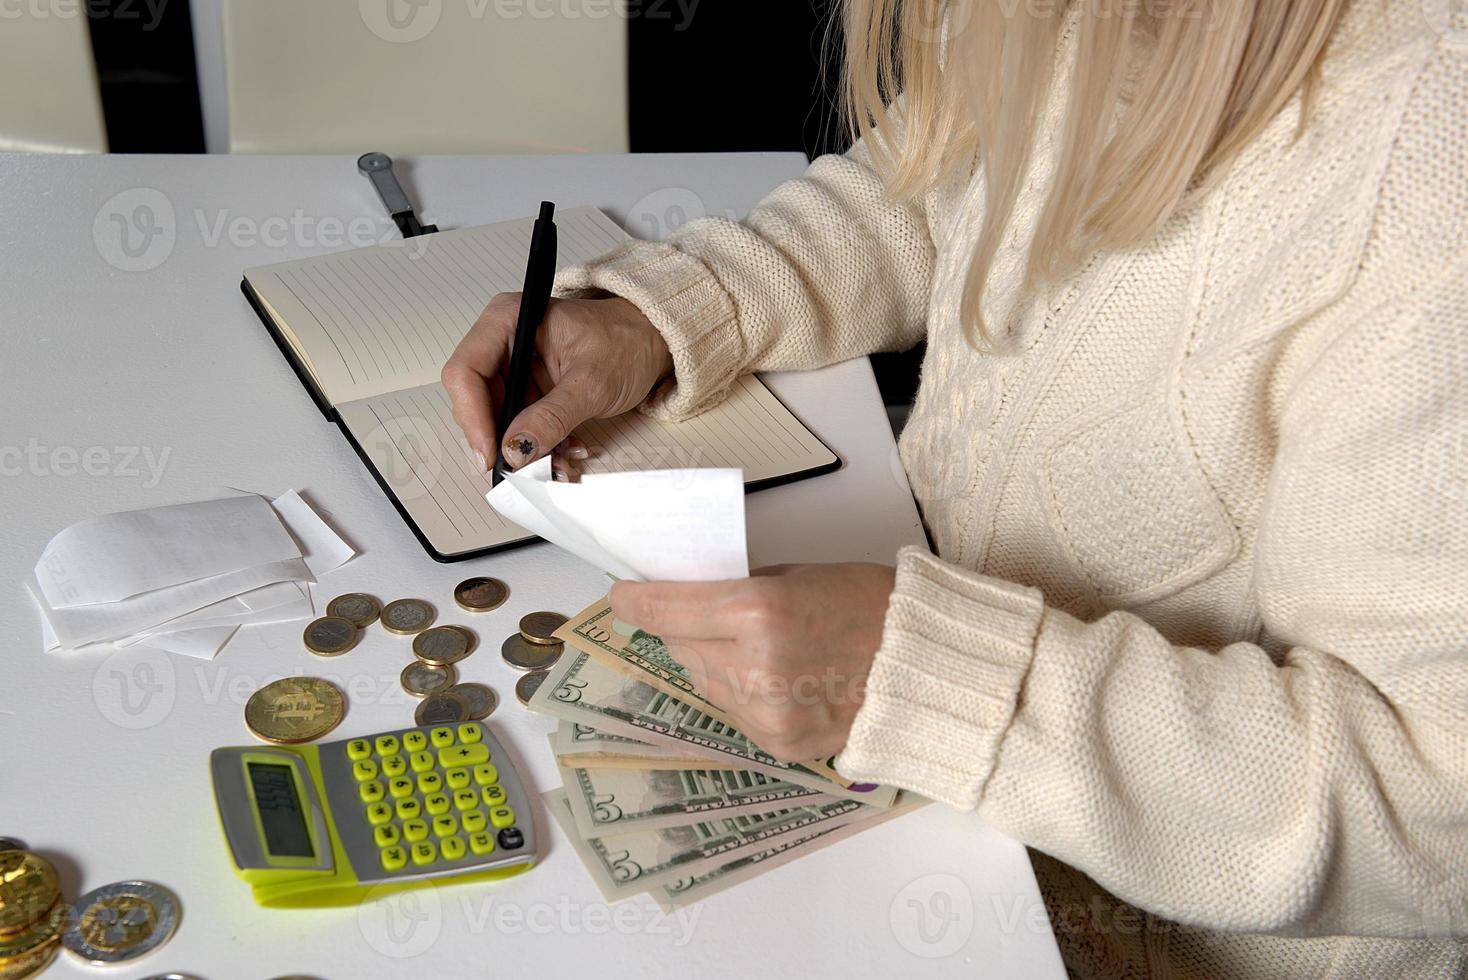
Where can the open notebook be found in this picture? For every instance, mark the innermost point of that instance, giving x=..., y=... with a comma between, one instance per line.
x=368, y=330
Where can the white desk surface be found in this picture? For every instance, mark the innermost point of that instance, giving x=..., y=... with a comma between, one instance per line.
x=110, y=376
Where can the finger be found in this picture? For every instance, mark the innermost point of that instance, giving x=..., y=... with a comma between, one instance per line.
x=709, y=665
x=688, y=610
x=471, y=374
x=547, y=421
x=565, y=466
x=473, y=406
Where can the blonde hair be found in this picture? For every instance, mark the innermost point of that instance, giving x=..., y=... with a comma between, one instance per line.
x=974, y=77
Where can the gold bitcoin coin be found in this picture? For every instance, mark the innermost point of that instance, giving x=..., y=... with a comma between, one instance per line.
x=537, y=627
x=443, y=708
x=28, y=890
x=357, y=608
x=407, y=616
x=330, y=636
x=420, y=679
x=294, y=709
x=39, y=935
x=481, y=594
x=31, y=964
x=440, y=646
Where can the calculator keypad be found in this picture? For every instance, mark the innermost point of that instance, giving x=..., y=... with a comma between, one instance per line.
x=431, y=797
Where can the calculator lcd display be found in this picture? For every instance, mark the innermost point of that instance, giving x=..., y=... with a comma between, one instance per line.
x=281, y=818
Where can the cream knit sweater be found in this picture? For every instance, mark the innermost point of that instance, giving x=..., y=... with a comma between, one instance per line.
x=1198, y=622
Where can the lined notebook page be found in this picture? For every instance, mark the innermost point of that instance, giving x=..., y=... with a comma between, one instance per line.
x=411, y=439
x=383, y=318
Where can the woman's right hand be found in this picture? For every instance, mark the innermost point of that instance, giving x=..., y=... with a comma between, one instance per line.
x=595, y=358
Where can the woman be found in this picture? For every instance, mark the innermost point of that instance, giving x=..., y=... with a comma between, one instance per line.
x=1191, y=447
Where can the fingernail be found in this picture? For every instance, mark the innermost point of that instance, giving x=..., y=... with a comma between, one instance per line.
x=483, y=463
x=519, y=450
x=562, y=478
x=576, y=449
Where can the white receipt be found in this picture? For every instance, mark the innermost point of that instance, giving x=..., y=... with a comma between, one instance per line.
x=117, y=556
x=655, y=525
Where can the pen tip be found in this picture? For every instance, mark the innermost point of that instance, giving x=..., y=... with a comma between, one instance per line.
x=547, y=210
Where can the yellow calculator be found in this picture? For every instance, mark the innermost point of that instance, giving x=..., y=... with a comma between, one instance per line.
x=311, y=826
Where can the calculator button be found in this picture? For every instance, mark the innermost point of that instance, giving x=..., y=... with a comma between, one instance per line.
x=421, y=761
x=458, y=778
x=453, y=848
x=430, y=782
x=358, y=748
x=494, y=795
x=415, y=741
x=471, y=734
x=424, y=852
x=387, y=745
x=445, y=826
x=502, y=817
x=484, y=774
x=394, y=765
x=463, y=755
x=511, y=838
x=400, y=787
x=379, y=813
x=481, y=843
x=385, y=836
x=364, y=770
x=371, y=791
x=436, y=804
x=414, y=830
x=441, y=738
x=466, y=799
x=473, y=821
x=409, y=809
x=394, y=859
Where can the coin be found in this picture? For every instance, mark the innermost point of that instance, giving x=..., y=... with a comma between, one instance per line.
x=481, y=594
x=330, y=636
x=28, y=890
x=420, y=679
x=530, y=656
x=469, y=635
x=441, y=645
x=33, y=963
x=121, y=922
x=526, y=686
x=537, y=627
x=481, y=697
x=443, y=708
x=34, y=939
x=407, y=616
x=357, y=608
x=10, y=844
x=294, y=709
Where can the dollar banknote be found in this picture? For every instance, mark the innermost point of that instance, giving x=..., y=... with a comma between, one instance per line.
x=583, y=691
x=609, y=802
x=629, y=864
x=588, y=748
x=691, y=889
x=641, y=656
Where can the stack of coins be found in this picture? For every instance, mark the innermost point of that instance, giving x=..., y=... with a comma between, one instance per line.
x=33, y=915
x=535, y=646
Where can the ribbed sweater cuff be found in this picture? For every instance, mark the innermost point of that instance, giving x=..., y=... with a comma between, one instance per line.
x=955, y=649
x=688, y=306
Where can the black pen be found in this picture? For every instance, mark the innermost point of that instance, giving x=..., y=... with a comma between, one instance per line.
x=540, y=274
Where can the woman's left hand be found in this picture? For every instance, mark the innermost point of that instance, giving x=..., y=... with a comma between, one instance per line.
x=785, y=652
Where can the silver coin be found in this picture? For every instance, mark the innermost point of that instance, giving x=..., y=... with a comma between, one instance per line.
x=407, y=616
x=420, y=679
x=443, y=708
x=526, y=686
x=121, y=921
x=359, y=609
x=524, y=655
x=481, y=697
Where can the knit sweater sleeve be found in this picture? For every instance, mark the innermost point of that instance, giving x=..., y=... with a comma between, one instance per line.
x=1320, y=790
x=826, y=268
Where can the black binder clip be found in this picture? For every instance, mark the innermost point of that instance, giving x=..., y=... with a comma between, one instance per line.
x=377, y=167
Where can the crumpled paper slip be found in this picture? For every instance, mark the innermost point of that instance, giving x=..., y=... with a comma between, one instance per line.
x=654, y=525
x=192, y=616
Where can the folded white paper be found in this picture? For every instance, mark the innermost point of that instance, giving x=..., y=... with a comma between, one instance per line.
x=116, y=556
x=655, y=525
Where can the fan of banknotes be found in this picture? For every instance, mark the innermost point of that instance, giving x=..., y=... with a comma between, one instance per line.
x=662, y=794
